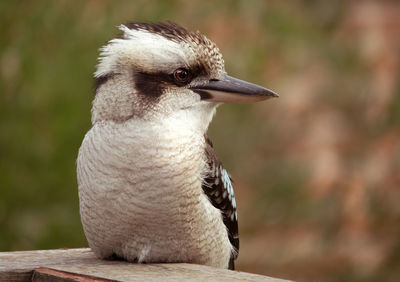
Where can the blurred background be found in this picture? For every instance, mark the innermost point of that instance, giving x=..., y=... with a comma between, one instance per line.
x=317, y=171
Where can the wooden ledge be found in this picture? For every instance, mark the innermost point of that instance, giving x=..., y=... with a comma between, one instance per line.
x=82, y=265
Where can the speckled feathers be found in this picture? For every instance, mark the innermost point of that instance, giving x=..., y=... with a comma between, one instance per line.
x=207, y=52
x=180, y=47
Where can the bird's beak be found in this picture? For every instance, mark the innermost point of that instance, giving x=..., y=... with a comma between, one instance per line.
x=232, y=90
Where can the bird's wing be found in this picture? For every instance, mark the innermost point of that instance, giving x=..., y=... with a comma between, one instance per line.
x=217, y=185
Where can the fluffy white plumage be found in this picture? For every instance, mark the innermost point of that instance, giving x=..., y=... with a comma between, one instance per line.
x=138, y=204
x=144, y=50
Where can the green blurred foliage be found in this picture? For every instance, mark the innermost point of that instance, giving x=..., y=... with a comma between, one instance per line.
x=317, y=171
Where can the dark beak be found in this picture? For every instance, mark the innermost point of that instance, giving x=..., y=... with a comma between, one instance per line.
x=232, y=90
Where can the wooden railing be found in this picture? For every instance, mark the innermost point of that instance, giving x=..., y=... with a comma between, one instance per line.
x=82, y=265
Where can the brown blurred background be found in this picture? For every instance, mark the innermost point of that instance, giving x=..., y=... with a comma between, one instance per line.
x=317, y=171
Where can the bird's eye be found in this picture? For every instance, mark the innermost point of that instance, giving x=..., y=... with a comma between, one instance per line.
x=182, y=76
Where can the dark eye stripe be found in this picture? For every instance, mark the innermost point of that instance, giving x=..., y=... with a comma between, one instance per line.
x=150, y=85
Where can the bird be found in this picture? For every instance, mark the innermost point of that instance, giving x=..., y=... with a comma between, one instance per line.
x=151, y=187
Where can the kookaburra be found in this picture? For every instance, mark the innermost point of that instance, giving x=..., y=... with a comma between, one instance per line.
x=151, y=187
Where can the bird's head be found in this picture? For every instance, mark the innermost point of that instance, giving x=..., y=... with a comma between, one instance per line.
x=157, y=69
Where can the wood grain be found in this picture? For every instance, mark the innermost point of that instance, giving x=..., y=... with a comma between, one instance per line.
x=82, y=265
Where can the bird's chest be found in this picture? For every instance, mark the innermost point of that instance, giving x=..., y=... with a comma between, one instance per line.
x=163, y=181
x=141, y=190
x=148, y=178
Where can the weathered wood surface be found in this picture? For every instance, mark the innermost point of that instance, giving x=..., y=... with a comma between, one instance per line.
x=82, y=265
